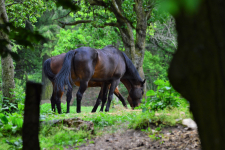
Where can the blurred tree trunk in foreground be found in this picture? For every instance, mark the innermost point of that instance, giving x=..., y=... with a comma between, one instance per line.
x=31, y=116
x=197, y=70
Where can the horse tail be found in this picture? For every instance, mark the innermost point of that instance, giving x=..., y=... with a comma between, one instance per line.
x=64, y=75
x=47, y=70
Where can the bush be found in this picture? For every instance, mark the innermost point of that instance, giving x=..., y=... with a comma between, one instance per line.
x=11, y=123
x=19, y=97
x=164, y=97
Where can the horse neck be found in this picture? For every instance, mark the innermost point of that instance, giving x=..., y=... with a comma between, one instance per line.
x=127, y=84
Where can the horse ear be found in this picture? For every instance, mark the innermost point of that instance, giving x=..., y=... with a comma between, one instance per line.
x=143, y=82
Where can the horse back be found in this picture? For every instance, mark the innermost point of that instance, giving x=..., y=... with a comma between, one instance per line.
x=110, y=64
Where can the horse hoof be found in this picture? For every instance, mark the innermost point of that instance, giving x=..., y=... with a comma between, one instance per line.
x=78, y=111
x=106, y=110
x=92, y=111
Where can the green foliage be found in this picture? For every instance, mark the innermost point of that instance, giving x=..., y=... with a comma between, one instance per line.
x=154, y=65
x=11, y=123
x=164, y=97
x=91, y=37
x=15, y=144
x=19, y=98
x=19, y=12
x=175, y=6
x=67, y=4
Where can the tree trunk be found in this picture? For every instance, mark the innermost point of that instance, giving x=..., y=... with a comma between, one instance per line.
x=197, y=69
x=47, y=85
x=7, y=62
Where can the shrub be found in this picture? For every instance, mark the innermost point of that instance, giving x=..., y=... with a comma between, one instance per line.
x=164, y=97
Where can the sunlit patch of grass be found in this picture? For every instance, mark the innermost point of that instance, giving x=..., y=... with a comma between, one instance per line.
x=167, y=116
x=12, y=139
x=58, y=138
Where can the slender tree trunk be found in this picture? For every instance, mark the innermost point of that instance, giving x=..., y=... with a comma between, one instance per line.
x=7, y=62
x=47, y=85
x=197, y=70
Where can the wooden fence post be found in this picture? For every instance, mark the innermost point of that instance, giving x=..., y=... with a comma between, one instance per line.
x=31, y=116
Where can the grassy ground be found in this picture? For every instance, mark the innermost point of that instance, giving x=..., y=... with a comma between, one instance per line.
x=59, y=138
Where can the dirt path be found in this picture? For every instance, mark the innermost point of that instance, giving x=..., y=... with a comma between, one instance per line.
x=175, y=138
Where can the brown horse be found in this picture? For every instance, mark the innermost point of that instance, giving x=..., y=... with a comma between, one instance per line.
x=54, y=64
x=108, y=66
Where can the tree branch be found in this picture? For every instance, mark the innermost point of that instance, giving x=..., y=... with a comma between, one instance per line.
x=63, y=16
x=74, y=23
x=97, y=2
x=13, y=4
x=106, y=24
x=87, y=21
x=115, y=9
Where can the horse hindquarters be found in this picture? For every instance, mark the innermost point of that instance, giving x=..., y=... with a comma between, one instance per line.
x=84, y=67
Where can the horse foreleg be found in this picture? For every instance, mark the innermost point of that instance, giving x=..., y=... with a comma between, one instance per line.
x=80, y=92
x=117, y=93
x=68, y=99
x=111, y=91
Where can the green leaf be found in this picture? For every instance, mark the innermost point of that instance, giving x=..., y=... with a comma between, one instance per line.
x=4, y=119
x=150, y=93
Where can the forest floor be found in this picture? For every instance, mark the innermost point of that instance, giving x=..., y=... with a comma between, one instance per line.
x=129, y=139
x=118, y=129
x=121, y=137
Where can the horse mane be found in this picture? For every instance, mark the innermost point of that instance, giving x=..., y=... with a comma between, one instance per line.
x=47, y=70
x=131, y=68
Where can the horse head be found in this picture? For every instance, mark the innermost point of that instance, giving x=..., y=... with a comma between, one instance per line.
x=135, y=94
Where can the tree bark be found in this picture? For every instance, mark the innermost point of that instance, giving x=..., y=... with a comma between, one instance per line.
x=197, y=69
x=47, y=85
x=7, y=62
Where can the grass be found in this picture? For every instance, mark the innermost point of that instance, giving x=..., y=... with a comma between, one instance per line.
x=110, y=122
x=169, y=117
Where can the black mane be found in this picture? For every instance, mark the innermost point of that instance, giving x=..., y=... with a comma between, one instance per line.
x=133, y=73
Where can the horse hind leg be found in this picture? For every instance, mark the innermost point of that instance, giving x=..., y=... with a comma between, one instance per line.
x=53, y=101
x=117, y=93
x=58, y=101
x=68, y=99
x=80, y=92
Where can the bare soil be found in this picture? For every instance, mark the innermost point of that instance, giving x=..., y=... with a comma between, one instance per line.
x=174, y=138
